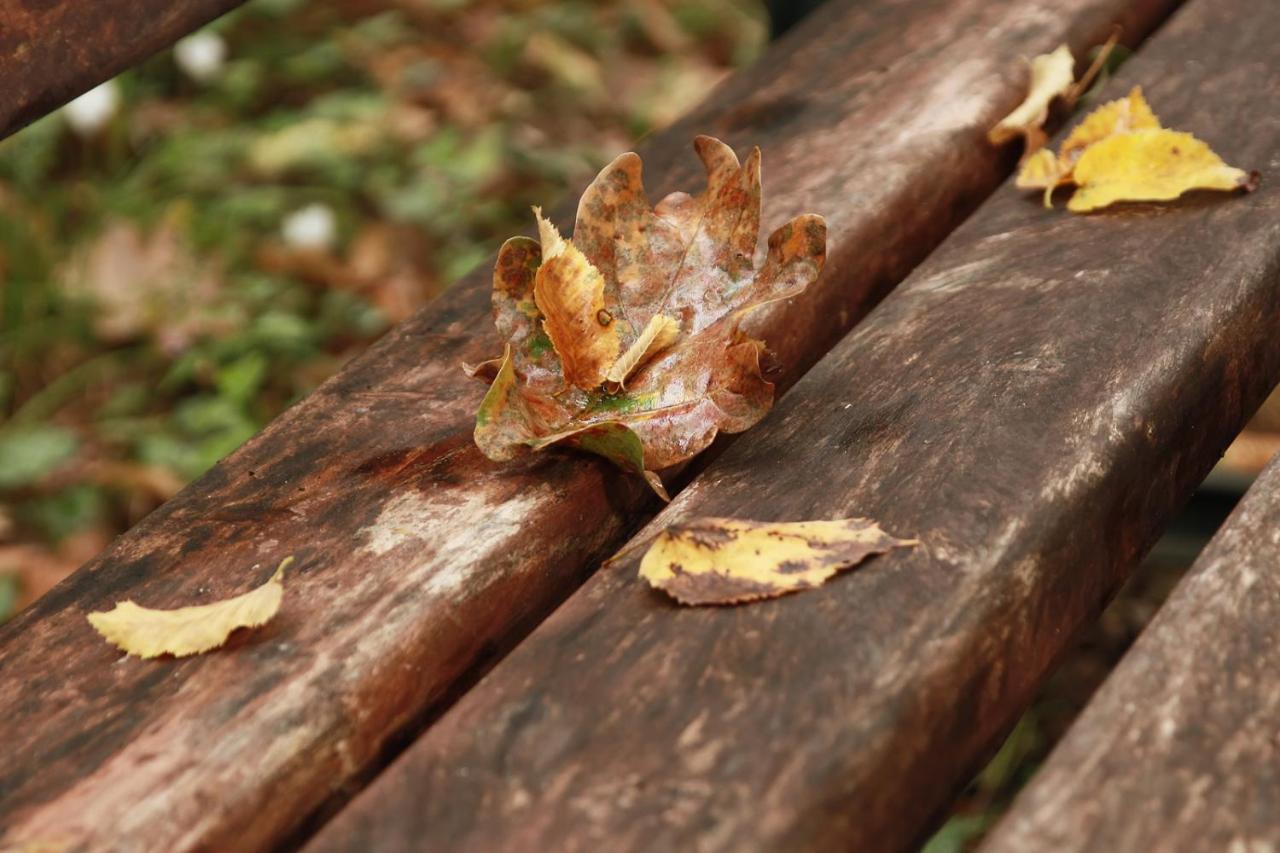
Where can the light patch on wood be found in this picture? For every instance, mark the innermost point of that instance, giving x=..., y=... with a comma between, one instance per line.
x=956, y=97
x=456, y=532
x=406, y=517
x=159, y=783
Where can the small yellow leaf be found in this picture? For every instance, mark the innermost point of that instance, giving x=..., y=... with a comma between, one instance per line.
x=1150, y=165
x=660, y=333
x=730, y=561
x=1122, y=115
x=186, y=631
x=1044, y=171
x=569, y=292
x=1040, y=171
x=1052, y=76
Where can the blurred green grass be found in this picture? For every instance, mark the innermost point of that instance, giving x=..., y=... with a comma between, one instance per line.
x=161, y=299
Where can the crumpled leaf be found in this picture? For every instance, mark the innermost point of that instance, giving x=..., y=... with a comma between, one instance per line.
x=1052, y=76
x=186, y=631
x=569, y=292
x=1150, y=165
x=731, y=561
x=1122, y=115
x=1041, y=171
x=648, y=366
x=661, y=333
x=1045, y=171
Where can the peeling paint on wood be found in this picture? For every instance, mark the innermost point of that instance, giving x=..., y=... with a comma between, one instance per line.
x=847, y=718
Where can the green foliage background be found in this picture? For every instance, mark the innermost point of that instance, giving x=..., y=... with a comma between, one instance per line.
x=152, y=316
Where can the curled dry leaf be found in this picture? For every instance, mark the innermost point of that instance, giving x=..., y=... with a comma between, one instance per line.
x=1052, y=76
x=569, y=292
x=1150, y=165
x=1045, y=171
x=625, y=341
x=186, y=631
x=730, y=561
x=661, y=333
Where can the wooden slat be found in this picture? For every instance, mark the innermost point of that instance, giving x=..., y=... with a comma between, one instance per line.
x=1178, y=750
x=418, y=561
x=1032, y=404
x=50, y=52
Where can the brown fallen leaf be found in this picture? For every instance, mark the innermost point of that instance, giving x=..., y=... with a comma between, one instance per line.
x=146, y=284
x=661, y=333
x=649, y=298
x=1052, y=76
x=569, y=292
x=731, y=561
x=1150, y=165
x=186, y=631
x=1045, y=171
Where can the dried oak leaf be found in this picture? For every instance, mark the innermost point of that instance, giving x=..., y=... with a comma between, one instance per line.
x=1150, y=165
x=625, y=341
x=186, y=631
x=1045, y=171
x=731, y=561
x=1052, y=76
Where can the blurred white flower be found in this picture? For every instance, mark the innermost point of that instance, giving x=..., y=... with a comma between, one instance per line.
x=311, y=227
x=90, y=112
x=201, y=56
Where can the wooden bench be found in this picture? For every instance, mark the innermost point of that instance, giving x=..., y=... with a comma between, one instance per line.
x=1179, y=747
x=1032, y=402
x=50, y=51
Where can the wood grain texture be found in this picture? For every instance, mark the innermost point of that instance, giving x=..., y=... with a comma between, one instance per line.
x=1032, y=403
x=1178, y=750
x=53, y=50
x=418, y=561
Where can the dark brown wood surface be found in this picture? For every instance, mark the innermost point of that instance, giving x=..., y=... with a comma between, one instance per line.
x=418, y=561
x=53, y=50
x=1032, y=403
x=1179, y=749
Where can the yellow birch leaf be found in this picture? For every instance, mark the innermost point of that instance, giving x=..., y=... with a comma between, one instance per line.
x=1150, y=165
x=186, y=631
x=569, y=291
x=1052, y=76
x=1039, y=171
x=1044, y=171
x=1122, y=115
x=731, y=561
x=660, y=333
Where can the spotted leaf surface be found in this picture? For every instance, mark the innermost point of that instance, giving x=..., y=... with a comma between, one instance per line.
x=731, y=561
x=625, y=340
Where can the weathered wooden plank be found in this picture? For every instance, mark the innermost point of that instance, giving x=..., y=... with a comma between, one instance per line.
x=418, y=561
x=1178, y=749
x=52, y=51
x=1032, y=404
